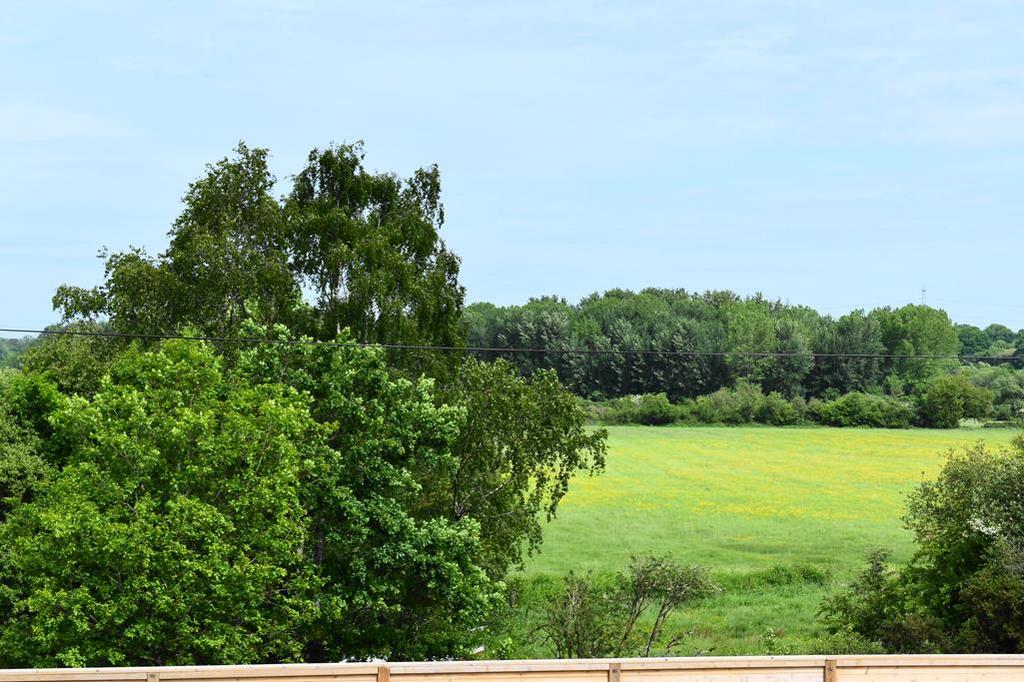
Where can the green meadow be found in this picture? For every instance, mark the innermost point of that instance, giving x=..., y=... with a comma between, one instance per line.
x=781, y=516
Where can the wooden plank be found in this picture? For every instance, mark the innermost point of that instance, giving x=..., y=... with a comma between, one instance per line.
x=969, y=668
x=802, y=673
x=599, y=675
x=933, y=673
x=928, y=660
x=576, y=665
x=614, y=671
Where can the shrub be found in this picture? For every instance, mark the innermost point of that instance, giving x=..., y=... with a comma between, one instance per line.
x=1007, y=387
x=946, y=400
x=592, y=618
x=964, y=589
x=862, y=409
x=735, y=405
x=775, y=410
x=651, y=409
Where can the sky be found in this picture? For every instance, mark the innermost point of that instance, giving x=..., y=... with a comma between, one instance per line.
x=838, y=155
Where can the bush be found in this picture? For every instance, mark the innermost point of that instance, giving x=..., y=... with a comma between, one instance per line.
x=964, y=589
x=595, y=618
x=651, y=409
x=735, y=405
x=775, y=410
x=1007, y=387
x=862, y=409
x=841, y=644
x=946, y=400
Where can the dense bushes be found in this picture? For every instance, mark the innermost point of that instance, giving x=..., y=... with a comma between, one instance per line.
x=940, y=403
x=746, y=404
x=963, y=591
x=862, y=409
x=945, y=400
x=652, y=409
x=1006, y=386
x=743, y=404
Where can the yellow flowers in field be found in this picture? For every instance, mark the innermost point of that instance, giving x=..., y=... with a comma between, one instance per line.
x=795, y=492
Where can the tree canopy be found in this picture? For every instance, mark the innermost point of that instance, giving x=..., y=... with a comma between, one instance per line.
x=215, y=501
x=688, y=344
x=367, y=245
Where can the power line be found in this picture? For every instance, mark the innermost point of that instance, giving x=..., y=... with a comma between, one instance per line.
x=499, y=350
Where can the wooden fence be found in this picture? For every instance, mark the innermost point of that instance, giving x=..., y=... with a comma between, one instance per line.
x=738, y=669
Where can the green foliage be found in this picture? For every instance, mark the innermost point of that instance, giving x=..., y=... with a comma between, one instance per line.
x=729, y=405
x=878, y=606
x=973, y=341
x=773, y=409
x=519, y=446
x=402, y=577
x=687, y=344
x=862, y=409
x=75, y=364
x=778, y=575
x=11, y=351
x=174, y=533
x=295, y=506
x=844, y=643
x=366, y=244
x=964, y=589
x=227, y=262
x=649, y=409
x=917, y=330
x=849, y=361
x=400, y=505
x=745, y=404
x=1006, y=386
x=945, y=400
x=625, y=616
x=24, y=402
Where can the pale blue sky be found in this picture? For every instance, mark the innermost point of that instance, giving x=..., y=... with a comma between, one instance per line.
x=835, y=154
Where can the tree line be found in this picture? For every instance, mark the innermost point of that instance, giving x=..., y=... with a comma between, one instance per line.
x=687, y=345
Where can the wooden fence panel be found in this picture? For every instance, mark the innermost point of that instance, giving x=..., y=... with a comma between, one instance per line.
x=709, y=669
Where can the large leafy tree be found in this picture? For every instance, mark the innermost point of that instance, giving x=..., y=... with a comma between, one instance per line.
x=920, y=331
x=278, y=509
x=401, y=578
x=368, y=244
x=849, y=355
x=521, y=444
x=227, y=262
x=412, y=500
x=174, y=531
x=786, y=373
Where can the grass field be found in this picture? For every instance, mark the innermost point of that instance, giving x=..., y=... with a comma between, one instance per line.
x=741, y=501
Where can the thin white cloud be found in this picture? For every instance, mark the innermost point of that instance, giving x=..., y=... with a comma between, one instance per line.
x=26, y=122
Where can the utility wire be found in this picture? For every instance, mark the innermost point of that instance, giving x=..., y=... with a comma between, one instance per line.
x=516, y=350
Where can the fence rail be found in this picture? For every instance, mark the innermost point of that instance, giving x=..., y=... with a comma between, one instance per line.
x=982, y=668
